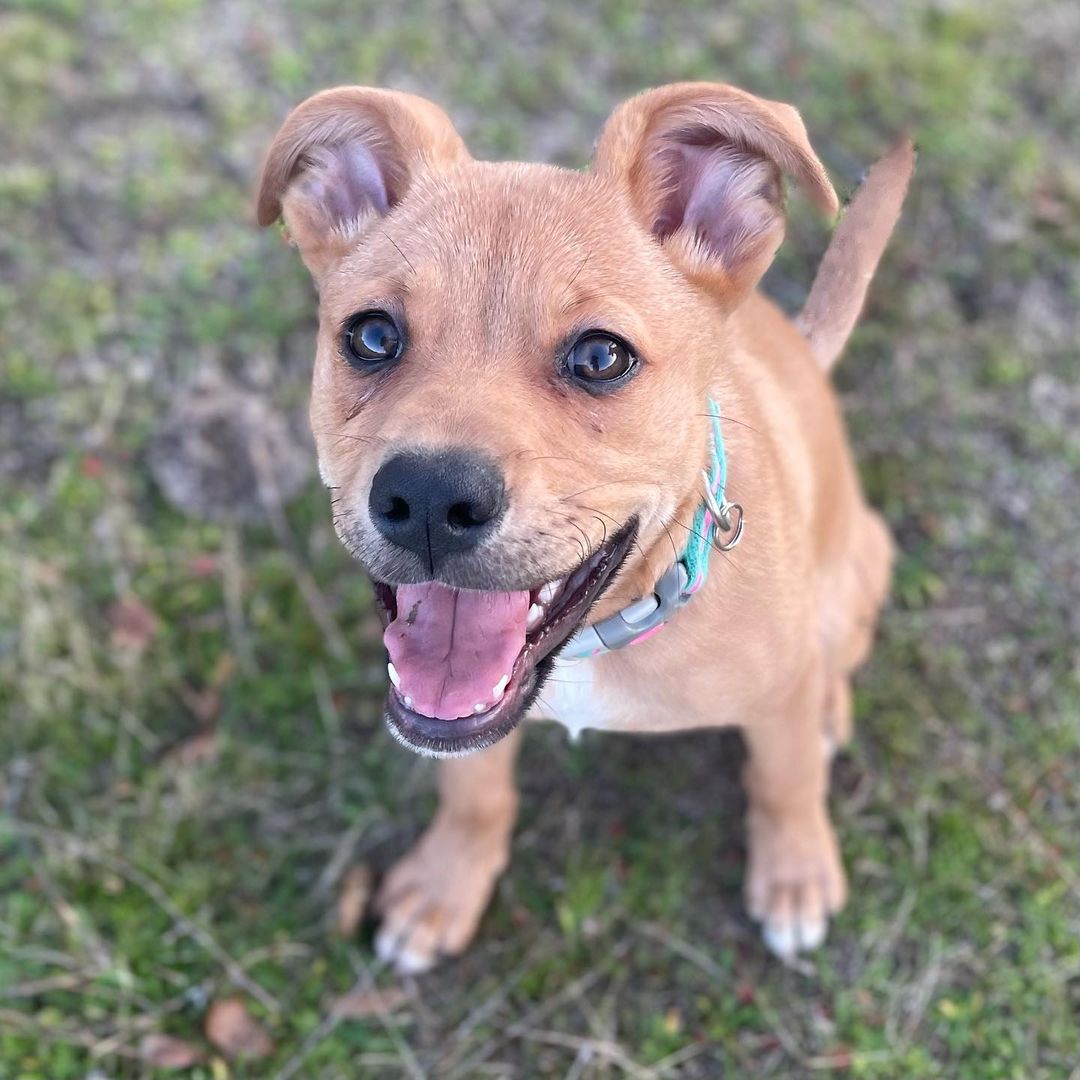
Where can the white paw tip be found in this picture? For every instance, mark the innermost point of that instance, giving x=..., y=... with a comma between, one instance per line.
x=788, y=938
x=385, y=946
x=779, y=939
x=410, y=963
x=812, y=934
x=390, y=950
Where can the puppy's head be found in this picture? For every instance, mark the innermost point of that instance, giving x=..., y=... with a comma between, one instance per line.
x=513, y=364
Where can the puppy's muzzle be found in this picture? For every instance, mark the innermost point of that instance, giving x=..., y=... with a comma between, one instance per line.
x=437, y=504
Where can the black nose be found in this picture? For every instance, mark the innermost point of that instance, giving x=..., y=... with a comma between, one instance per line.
x=436, y=504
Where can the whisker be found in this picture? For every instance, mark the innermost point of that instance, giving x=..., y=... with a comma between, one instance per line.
x=711, y=541
x=730, y=420
x=608, y=483
x=586, y=545
x=574, y=277
x=355, y=438
x=555, y=457
x=618, y=525
x=553, y=536
x=671, y=540
x=398, y=250
x=564, y=682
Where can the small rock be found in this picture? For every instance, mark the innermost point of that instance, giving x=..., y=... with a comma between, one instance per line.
x=132, y=625
x=235, y=1032
x=360, y=1004
x=168, y=1052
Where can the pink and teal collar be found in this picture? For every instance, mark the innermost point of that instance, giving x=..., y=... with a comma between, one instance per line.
x=714, y=519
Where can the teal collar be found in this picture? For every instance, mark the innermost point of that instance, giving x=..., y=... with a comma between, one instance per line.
x=718, y=524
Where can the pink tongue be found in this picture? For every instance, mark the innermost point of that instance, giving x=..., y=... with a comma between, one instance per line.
x=452, y=646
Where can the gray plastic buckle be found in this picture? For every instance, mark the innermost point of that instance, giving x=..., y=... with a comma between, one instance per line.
x=635, y=619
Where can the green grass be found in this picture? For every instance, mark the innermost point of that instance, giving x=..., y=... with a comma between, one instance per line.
x=136, y=887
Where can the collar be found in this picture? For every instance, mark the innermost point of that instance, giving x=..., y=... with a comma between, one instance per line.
x=717, y=524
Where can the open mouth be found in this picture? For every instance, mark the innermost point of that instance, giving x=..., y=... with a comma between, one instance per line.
x=465, y=664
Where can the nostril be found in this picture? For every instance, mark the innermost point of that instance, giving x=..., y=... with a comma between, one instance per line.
x=397, y=510
x=465, y=515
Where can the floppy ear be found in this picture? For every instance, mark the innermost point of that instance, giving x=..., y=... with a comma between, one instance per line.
x=702, y=165
x=346, y=157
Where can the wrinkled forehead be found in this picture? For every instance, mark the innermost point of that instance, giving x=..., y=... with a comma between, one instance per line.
x=503, y=249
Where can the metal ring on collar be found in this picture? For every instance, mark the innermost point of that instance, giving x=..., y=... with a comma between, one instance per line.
x=722, y=514
x=729, y=508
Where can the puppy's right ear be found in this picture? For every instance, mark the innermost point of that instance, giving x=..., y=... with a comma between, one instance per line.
x=345, y=158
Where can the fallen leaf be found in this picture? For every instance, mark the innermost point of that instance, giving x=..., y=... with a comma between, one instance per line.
x=1049, y=207
x=358, y=1004
x=47, y=574
x=353, y=899
x=132, y=625
x=168, y=1052
x=235, y=1032
x=204, y=705
x=198, y=749
x=223, y=670
x=673, y=1021
x=92, y=466
x=840, y=1058
x=206, y=564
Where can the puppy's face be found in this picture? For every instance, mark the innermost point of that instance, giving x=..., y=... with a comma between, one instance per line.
x=512, y=365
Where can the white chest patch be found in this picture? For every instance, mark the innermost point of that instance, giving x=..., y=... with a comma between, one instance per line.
x=571, y=697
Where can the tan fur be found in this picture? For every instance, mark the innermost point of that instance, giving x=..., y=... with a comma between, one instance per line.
x=839, y=288
x=493, y=266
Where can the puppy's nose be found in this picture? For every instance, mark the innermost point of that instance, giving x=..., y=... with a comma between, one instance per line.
x=437, y=504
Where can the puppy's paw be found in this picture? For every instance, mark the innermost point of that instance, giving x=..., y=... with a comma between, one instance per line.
x=432, y=900
x=794, y=882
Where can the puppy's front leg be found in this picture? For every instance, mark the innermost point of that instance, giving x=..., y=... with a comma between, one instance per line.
x=432, y=900
x=795, y=879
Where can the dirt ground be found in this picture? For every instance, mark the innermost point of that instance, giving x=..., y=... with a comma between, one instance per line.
x=191, y=753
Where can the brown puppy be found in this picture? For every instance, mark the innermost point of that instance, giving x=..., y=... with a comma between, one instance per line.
x=516, y=373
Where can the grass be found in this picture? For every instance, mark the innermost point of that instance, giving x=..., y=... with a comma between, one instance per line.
x=139, y=880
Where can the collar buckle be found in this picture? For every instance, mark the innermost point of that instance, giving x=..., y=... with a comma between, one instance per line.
x=634, y=622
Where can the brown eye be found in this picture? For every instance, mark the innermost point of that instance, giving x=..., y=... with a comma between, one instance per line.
x=371, y=339
x=596, y=359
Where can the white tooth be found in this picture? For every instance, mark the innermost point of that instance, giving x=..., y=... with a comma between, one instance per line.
x=549, y=591
x=408, y=701
x=395, y=678
x=535, y=617
x=499, y=687
x=479, y=707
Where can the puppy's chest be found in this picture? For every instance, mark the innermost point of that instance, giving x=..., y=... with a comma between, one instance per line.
x=575, y=698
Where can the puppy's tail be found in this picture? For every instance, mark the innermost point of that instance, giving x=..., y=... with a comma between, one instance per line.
x=839, y=289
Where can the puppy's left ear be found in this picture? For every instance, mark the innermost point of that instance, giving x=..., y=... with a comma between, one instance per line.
x=702, y=166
